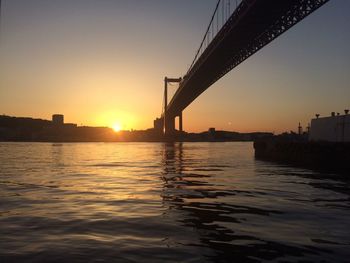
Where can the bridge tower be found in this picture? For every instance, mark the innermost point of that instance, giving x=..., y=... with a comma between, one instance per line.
x=169, y=120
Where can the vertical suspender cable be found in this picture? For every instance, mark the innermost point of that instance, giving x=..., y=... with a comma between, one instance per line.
x=229, y=8
x=212, y=30
x=223, y=12
x=205, y=36
x=217, y=21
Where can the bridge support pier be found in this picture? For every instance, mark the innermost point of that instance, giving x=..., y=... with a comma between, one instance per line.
x=169, y=125
x=180, y=122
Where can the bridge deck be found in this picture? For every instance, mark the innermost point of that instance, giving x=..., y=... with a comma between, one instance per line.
x=253, y=24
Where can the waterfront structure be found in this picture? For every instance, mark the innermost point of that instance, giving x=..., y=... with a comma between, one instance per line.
x=334, y=128
x=158, y=124
x=57, y=119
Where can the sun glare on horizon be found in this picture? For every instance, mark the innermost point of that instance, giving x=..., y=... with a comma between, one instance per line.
x=116, y=127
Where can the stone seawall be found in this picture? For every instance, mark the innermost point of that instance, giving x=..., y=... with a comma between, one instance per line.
x=333, y=157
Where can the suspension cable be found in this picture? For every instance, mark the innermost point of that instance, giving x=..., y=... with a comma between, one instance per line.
x=205, y=35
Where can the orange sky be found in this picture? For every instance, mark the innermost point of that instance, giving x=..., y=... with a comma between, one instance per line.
x=104, y=63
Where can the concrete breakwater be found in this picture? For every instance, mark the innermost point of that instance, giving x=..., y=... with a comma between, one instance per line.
x=332, y=157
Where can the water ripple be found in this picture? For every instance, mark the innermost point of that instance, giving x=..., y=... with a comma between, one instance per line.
x=172, y=202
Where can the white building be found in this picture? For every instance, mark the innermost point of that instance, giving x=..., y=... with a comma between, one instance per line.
x=335, y=128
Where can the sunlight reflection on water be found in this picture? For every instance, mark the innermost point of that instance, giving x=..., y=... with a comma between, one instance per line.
x=156, y=202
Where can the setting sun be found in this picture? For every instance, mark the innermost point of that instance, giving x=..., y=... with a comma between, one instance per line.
x=116, y=127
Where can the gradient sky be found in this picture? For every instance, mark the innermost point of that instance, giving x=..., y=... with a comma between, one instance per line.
x=100, y=62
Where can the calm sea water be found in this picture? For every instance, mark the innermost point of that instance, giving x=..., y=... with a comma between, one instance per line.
x=156, y=202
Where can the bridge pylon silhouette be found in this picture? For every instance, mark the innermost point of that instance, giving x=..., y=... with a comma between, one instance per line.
x=166, y=124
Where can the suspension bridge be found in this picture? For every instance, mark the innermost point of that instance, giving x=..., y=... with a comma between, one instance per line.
x=237, y=29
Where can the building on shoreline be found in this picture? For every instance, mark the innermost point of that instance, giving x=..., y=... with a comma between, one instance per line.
x=334, y=128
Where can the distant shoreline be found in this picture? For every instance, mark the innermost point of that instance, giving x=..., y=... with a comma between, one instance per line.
x=21, y=129
x=117, y=141
x=150, y=141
